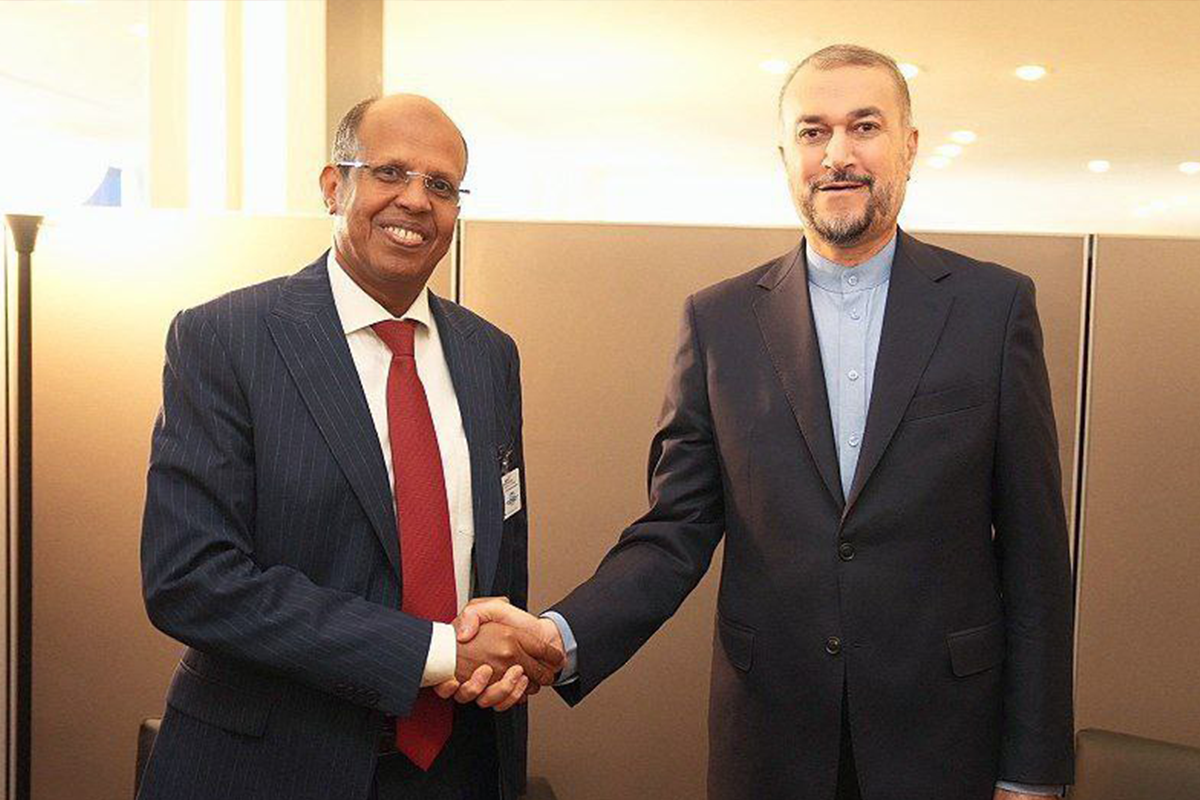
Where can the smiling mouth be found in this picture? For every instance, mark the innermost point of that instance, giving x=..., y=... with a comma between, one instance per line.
x=403, y=236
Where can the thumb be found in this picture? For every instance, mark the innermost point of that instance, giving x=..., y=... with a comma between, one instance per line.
x=466, y=624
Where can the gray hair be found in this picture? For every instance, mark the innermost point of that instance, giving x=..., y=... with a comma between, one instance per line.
x=853, y=55
x=345, y=139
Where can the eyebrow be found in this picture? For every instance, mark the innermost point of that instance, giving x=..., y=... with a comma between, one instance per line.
x=402, y=164
x=858, y=113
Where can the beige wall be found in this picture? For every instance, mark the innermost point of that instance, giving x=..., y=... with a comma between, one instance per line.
x=595, y=310
x=1139, y=605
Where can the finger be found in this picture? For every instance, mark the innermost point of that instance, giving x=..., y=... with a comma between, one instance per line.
x=474, y=685
x=502, y=688
x=517, y=696
x=481, y=610
x=483, y=600
x=446, y=689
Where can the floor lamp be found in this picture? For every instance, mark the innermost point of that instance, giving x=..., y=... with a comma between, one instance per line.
x=24, y=232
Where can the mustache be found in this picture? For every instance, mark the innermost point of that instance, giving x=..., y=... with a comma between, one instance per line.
x=843, y=176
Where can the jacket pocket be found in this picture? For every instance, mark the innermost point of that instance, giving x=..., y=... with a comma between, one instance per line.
x=738, y=643
x=976, y=649
x=957, y=398
x=232, y=709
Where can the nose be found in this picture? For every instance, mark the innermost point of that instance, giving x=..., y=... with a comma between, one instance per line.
x=839, y=152
x=413, y=196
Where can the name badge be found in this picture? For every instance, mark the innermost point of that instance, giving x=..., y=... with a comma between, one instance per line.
x=510, y=485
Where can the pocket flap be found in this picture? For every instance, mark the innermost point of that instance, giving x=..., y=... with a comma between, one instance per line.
x=738, y=642
x=976, y=649
x=957, y=398
x=237, y=710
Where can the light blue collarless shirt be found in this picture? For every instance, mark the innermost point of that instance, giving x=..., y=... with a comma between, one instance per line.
x=847, y=308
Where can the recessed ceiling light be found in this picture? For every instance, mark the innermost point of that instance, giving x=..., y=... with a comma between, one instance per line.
x=1099, y=165
x=909, y=71
x=949, y=150
x=775, y=66
x=938, y=162
x=1189, y=167
x=1031, y=72
x=963, y=137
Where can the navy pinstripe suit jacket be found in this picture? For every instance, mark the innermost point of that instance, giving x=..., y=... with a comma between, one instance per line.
x=269, y=545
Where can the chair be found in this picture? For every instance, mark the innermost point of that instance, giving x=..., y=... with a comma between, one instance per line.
x=1117, y=766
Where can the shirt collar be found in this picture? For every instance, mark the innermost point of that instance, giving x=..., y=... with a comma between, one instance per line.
x=834, y=277
x=357, y=309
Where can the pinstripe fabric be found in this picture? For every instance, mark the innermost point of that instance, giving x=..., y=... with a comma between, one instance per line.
x=269, y=544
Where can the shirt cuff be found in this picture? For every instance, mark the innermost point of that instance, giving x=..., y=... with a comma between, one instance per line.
x=569, y=671
x=1042, y=790
x=443, y=655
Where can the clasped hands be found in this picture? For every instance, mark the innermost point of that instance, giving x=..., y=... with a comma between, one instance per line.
x=504, y=655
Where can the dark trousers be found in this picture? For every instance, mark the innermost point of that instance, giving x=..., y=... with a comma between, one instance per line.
x=847, y=785
x=466, y=769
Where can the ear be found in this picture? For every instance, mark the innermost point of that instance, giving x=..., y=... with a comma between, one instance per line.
x=911, y=145
x=330, y=180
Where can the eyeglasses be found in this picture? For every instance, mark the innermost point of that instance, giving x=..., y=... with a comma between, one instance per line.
x=395, y=175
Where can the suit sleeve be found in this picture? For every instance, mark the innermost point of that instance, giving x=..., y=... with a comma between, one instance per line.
x=661, y=557
x=1032, y=551
x=201, y=582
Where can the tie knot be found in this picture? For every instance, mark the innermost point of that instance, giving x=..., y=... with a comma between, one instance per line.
x=398, y=335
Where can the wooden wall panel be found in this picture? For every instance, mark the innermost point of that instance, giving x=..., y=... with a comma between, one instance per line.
x=1139, y=607
x=595, y=310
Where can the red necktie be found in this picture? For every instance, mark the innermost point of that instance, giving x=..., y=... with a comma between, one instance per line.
x=423, y=519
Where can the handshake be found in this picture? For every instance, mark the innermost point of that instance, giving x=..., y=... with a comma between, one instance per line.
x=504, y=655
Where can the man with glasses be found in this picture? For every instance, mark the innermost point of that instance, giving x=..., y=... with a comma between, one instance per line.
x=335, y=470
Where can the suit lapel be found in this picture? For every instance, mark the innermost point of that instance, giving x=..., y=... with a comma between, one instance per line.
x=470, y=371
x=917, y=308
x=309, y=337
x=785, y=320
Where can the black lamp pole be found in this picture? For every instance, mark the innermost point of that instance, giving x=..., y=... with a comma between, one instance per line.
x=24, y=231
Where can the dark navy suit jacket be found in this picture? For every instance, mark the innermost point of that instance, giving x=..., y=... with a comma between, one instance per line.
x=269, y=545
x=952, y=645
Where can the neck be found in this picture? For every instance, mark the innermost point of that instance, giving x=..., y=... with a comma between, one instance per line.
x=849, y=255
x=396, y=296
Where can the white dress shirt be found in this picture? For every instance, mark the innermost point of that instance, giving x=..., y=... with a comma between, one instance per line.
x=358, y=311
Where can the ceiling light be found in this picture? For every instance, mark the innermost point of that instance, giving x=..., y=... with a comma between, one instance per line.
x=1031, y=72
x=1190, y=167
x=139, y=29
x=1099, y=165
x=949, y=150
x=963, y=137
x=909, y=71
x=938, y=162
x=775, y=66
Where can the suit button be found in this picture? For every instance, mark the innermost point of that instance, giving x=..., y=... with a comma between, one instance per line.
x=833, y=645
x=845, y=551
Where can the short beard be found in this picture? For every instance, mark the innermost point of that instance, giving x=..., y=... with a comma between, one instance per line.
x=846, y=231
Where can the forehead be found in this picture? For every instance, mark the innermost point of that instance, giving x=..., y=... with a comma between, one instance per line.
x=419, y=138
x=834, y=93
